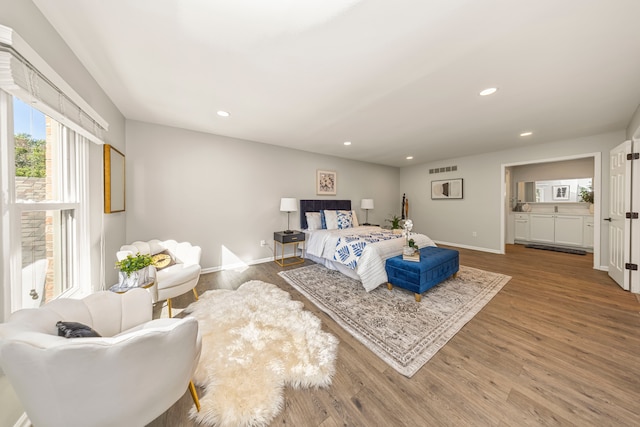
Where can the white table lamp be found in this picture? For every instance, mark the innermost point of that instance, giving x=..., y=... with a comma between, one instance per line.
x=288, y=205
x=366, y=204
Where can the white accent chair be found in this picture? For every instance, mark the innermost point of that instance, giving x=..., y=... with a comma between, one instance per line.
x=128, y=377
x=175, y=280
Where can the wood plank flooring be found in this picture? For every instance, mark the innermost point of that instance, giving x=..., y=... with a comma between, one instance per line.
x=558, y=345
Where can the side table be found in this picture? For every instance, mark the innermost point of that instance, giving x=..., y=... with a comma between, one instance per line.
x=117, y=288
x=283, y=239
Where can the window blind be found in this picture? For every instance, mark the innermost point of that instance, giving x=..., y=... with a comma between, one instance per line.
x=41, y=86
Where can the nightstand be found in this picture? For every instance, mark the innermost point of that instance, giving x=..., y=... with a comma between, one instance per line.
x=283, y=239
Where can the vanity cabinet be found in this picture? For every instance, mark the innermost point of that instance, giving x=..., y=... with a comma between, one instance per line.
x=587, y=235
x=542, y=228
x=521, y=229
x=557, y=229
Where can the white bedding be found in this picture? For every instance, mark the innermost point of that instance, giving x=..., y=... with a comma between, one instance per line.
x=321, y=244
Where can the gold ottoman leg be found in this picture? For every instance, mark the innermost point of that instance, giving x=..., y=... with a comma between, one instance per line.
x=389, y=286
x=418, y=297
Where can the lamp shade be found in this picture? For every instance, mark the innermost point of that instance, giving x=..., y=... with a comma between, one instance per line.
x=366, y=204
x=288, y=204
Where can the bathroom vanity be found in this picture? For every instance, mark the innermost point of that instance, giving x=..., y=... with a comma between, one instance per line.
x=561, y=229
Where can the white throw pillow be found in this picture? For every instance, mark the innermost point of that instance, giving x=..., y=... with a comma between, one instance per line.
x=331, y=219
x=314, y=222
x=354, y=219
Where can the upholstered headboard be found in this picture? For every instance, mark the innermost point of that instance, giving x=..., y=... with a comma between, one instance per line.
x=318, y=205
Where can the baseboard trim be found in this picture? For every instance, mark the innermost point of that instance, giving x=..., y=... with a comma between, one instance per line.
x=235, y=265
x=23, y=421
x=474, y=248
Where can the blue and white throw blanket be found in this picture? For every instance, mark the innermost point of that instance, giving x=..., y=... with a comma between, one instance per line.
x=350, y=248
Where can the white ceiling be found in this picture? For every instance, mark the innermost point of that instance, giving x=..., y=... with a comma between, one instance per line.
x=397, y=78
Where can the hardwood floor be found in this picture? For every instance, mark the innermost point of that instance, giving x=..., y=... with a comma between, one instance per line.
x=558, y=345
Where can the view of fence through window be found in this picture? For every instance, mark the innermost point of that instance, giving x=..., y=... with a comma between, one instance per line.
x=45, y=226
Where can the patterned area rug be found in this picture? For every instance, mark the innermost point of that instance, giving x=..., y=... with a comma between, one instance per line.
x=255, y=341
x=402, y=332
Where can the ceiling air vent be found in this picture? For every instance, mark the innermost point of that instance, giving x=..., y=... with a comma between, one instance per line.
x=444, y=169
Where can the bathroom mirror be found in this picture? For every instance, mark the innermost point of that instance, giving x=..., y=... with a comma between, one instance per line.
x=552, y=191
x=114, y=180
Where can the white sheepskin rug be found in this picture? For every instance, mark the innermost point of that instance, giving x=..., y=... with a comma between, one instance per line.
x=256, y=340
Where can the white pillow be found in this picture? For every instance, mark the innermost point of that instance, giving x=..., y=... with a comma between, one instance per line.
x=354, y=219
x=331, y=219
x=314, y=222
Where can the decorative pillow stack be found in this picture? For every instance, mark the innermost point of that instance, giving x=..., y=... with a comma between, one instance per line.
x=331, y=220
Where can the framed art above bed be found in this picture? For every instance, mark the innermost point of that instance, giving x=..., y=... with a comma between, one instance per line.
x=326, y=183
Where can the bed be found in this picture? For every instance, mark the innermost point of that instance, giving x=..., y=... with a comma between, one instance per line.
x=339, y=249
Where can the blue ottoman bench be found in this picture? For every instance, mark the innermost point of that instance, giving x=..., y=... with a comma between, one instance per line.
x=435, y=265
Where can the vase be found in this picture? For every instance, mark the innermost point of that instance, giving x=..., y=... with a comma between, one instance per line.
x=134, y=279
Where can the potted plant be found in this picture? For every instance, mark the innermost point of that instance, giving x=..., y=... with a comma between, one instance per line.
x=134, y=269
x=586, y=195
x=395, y=224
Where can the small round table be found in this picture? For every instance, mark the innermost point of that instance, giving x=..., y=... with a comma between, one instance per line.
x=120, y=289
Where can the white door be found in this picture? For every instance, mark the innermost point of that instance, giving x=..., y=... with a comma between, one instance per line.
x=619, y=204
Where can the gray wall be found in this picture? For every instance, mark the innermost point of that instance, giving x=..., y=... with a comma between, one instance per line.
x=569, y=169
x=223, y=194
x=454, y=221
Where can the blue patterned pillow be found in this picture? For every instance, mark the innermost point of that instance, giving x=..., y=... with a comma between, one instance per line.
x=344, y=219
x=323, y=220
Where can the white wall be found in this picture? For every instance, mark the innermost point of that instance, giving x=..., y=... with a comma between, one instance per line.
x=454, y=221
x=223, y=194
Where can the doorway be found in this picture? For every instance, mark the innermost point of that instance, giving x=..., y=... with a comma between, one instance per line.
x=597, y=188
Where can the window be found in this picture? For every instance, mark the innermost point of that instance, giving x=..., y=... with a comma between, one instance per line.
x=48, y=210
x=43, y=179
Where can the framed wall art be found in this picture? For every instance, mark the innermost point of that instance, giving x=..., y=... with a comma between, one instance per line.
x=446, y=189
x=560, y=192
x=326, y=183
x=114, y=180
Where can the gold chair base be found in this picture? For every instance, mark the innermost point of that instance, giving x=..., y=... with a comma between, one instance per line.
x=194, y=395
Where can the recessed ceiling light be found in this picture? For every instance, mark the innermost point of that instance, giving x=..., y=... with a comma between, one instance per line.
x=488, y=91
x=223, y=113
x=347, y=143
x=409, y=157
x=526, y=133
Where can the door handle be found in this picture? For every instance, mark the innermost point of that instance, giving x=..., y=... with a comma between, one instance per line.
x=607, y=219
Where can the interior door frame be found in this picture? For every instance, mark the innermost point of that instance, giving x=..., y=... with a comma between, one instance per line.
x=634, y=245
x=597, y=201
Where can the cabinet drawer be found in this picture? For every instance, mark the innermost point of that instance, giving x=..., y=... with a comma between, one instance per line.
x=283, y=237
